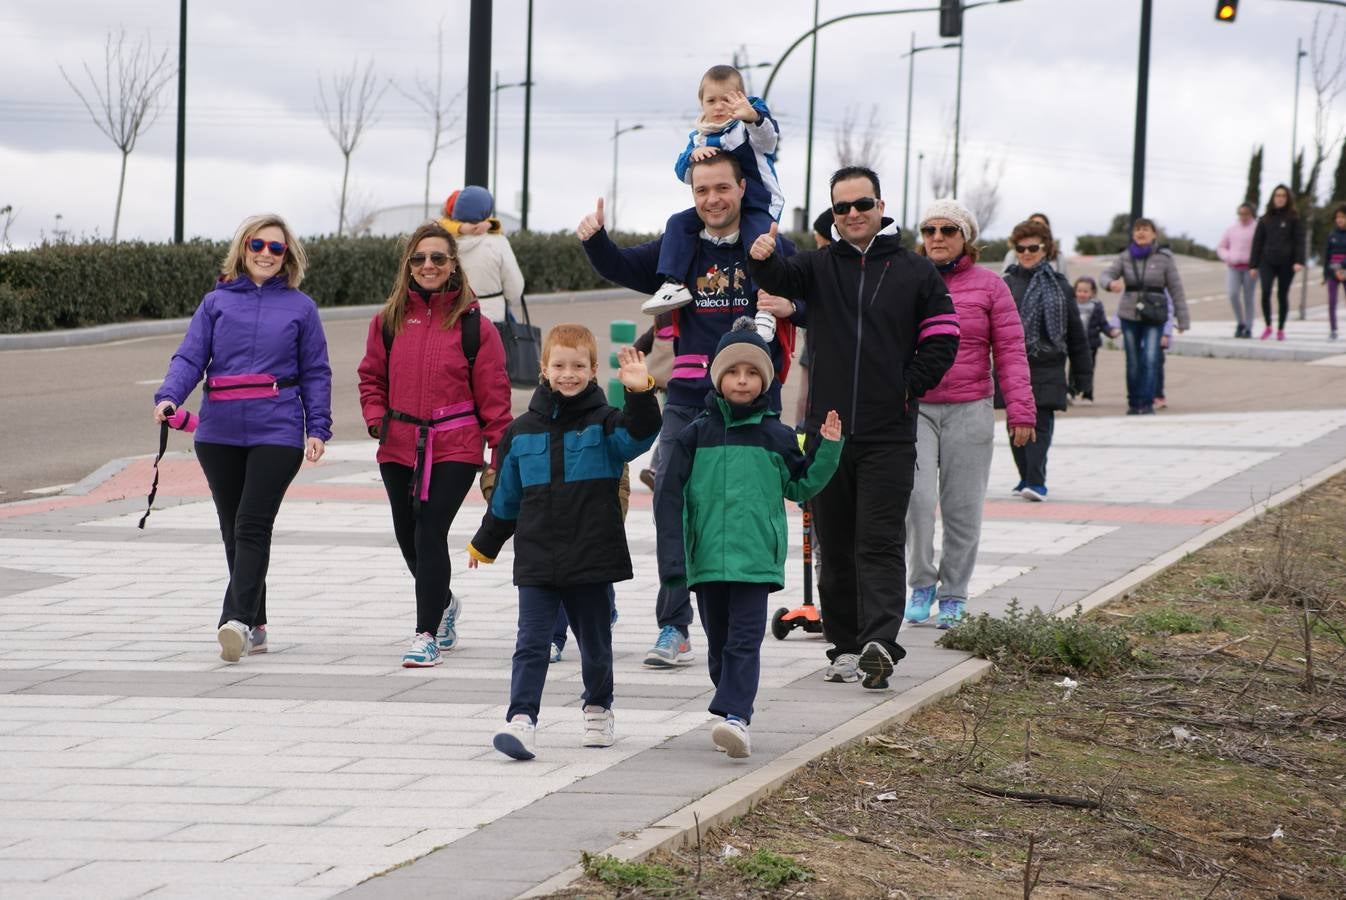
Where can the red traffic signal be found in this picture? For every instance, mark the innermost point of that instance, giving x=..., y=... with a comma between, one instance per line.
x=1226, y=10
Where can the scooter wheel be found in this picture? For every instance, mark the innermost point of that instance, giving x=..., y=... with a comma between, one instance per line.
x=779, y=627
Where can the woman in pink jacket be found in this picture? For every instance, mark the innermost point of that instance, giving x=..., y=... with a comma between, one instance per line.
x=1235, y=249
x=956, y=426
x=433, y=390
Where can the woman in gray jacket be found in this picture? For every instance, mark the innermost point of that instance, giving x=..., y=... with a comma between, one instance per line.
x=1143, y=272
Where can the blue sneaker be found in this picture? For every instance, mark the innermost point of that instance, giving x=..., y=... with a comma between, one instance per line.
x=1034, y=492
x=1017, y=488
x=670, y=649
x=950, y=611
x=918, y=605
x=555, y=655
x=448, y=632
x=423, y=652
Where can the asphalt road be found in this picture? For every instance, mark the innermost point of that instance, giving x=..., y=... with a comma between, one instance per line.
x=68, y=411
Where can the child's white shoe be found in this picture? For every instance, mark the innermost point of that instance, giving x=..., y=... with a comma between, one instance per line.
x=732, y=736
x=669, y=297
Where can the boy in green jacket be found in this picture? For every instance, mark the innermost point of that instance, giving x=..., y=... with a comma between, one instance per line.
x=720, y=514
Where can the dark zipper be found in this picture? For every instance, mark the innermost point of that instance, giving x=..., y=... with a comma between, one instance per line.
x=859, y=337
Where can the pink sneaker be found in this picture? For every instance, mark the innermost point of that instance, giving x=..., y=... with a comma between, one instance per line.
x=1280, y=335
x=1266, y=333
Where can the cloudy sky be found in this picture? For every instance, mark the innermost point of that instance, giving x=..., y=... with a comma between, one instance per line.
x=1049, y=95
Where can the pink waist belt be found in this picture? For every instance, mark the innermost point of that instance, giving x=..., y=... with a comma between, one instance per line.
x=445, y=418
x=247, y=387
x=691, y=366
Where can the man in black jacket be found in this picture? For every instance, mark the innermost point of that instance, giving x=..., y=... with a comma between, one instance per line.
x=884, y=332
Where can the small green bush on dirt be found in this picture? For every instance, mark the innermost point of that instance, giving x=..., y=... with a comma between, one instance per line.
x=621, y=874
x=771, y=870
x=1038, y=642
x=1168, y=620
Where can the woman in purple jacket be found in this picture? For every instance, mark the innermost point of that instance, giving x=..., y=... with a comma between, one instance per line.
x=956, y=427
x=259, y=344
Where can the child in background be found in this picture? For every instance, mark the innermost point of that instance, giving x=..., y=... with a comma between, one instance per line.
x=556, y=494
x=1092, y=315
x=725, y=487
x=1334, y=265
x=730, y=122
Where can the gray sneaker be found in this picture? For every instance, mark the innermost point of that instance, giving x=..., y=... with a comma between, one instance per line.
x=877, y=664
x=447, y=637
x=670, y=649
x=234, y=640
x=845, y=669
x=258, y=638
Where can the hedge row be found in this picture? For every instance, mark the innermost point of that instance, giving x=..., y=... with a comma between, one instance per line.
x=67, y=285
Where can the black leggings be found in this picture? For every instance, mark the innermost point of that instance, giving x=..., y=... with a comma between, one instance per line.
x=247, y=485
x=424, y=539
x=1284, y=274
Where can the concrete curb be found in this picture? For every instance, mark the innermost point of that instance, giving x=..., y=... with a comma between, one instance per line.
x=1254, y=349
x=685, y=826
x=126, y=331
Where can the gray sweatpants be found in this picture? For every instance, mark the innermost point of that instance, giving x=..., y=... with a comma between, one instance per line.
x=954, y=442
x=1241, y=290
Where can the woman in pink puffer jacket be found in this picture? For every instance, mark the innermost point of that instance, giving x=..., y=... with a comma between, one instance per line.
x=956, y=427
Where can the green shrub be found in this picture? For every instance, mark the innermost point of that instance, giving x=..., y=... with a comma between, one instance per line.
x=1167, y=620
x=771, y=870
x=69, y=285
x=621, y=874
x=1038, y=642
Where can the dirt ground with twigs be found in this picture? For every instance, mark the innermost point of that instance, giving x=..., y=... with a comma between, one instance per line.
x=1212, y=764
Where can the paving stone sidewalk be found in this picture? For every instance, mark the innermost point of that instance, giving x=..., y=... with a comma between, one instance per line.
x=133, y=763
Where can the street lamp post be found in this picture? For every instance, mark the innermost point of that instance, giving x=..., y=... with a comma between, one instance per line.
x=495, y=132
x=911, y=80
x=527, y=117
x=920, y=158
x=617, y=131
x=1300, y=53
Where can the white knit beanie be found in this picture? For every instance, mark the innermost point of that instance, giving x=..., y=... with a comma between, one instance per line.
x=955, y=212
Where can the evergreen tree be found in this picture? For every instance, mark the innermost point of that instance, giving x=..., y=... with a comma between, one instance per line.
x=1339, y=179
x=1297, y=175
x=1253, y=195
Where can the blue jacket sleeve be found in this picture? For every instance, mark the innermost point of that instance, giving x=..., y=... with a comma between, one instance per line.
x=631, y=267
x=502, y=514
x=189, y=362
x=315, y=376
x=763, y=135
x=668, y=505
x=684, y=162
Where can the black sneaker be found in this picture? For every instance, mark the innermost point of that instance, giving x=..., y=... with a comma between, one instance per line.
x=877, y=664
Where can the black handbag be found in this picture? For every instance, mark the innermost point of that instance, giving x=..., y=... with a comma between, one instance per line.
x=1151, y=303
x=523, y=348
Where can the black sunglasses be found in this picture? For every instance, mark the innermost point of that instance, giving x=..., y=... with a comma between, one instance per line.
x=946, y=230
x=418, y=259
x=1021, y=249
x=864, y=204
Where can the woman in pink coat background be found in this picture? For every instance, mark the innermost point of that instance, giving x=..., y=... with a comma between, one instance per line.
x=956, y=428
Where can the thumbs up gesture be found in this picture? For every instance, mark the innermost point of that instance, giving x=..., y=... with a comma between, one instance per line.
x=591, y=224
x=765, y=245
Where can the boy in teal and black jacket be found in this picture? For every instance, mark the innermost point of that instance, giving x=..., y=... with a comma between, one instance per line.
x=720, y=517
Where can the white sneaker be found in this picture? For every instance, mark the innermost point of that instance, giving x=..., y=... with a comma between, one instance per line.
x=515, y=740
x=732, y=735
x=845, y=669
x=235, y=640
x=669, y=297
x=555, y=654
x=600, y=729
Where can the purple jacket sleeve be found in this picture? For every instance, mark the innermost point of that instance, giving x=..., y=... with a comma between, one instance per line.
x=189, y=361
x=1011, y=359
x=315, y=377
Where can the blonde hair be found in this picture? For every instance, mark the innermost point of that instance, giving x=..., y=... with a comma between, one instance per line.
x=577, y=337
x=395, y=307
x=296, y=260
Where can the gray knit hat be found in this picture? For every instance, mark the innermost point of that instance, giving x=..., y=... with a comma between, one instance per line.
x=955, y=212
x=742, y=344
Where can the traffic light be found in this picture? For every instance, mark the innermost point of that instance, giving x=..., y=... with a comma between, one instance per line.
x=1226, y=10
x=950, y=18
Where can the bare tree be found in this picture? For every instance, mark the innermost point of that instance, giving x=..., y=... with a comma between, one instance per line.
x=941, y=175
x=983, y=197
x=856, y=147
x=126, y=102
x=1329, y=80
x=442, y=113
x=361, y=211
x=7, y=217
x=347, y=115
